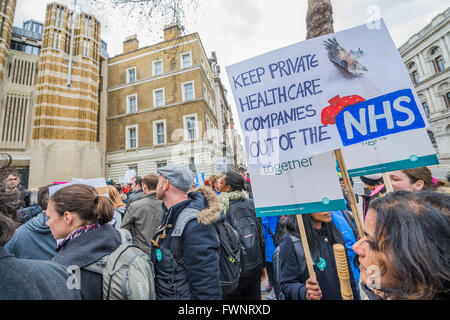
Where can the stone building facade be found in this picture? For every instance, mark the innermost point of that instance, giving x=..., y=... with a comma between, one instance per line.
x=67, y=118
x=166, y=105
x=67, y=110
x=426, y=56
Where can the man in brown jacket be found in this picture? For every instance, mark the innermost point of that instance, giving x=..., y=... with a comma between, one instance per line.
x=144, y=216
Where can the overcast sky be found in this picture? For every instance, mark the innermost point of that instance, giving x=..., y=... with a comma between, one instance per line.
x=241, y=29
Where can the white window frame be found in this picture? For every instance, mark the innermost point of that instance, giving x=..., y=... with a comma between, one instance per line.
x=183, y=91
x=128, y=102
x=127, y=136
x=155, y=132
x=181, y=59
x=209, y=127
x=160, y=161
x=186, y=133
x=128, y=75
x=153, y=67
x=154, y=97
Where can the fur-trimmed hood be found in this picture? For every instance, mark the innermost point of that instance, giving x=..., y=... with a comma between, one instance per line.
x=443, y=189
x=212, y=212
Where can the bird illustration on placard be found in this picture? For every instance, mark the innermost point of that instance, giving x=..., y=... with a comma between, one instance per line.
x=347, y=61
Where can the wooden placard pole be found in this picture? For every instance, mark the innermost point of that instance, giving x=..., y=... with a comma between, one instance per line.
x=301, y=228
x=349, y=188
x=387, y=182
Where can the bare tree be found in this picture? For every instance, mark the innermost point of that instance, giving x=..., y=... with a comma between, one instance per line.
x=319, y=18
x=150, y=11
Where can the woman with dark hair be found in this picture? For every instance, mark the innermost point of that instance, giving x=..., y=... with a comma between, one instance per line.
x=406, y=247
x=25, y=279
x=79, y=216
x=321, y=233
x=240, y=214
x=415, y=179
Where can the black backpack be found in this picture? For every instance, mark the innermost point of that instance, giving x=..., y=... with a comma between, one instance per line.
x=241, y=216
x=277, y=267
x=229, y=250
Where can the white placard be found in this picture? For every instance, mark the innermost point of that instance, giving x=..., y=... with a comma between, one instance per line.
x=404, y=150
x=322, y=94
x=299, y=186
x=98, y=183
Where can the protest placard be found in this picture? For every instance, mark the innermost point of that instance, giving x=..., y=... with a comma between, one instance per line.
x=404, y=150
x=98, y=183
x=298, y=186
x=221, y=164
x=129, y=174
x=322, y=94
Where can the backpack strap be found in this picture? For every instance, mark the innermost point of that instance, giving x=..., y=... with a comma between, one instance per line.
x=98, y=265
x=176, y=246
x=299, y=253
x=349, y=218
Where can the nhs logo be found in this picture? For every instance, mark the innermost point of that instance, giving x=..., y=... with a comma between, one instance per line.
x=387, y=114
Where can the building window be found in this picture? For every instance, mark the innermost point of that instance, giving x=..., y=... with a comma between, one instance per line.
x=439, y=64
x=426, y=108
x=160, y=164
x=192, y=165
x=447, y=99
x=186, y=60
x=209, y=128
x=159, y=132
x=132, y=103
x=131, y=137
x=86, y=48
x=188, y=91
x=158, y=97
x=59, y=17
x=131, y=74
x=133, y=167
x=157, y=67
x=415, y=77
x=190, y=127
x=434, y=51
x=87, y=26
x=432, y=139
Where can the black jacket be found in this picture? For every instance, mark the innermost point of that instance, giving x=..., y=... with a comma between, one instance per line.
x=198, y=278
x=22, y=279
x=293, y=277
x=85, y=249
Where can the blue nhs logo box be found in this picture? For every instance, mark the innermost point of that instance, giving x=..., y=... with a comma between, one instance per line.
x=383, y=115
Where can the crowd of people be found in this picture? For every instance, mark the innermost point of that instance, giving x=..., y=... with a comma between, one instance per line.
x=174, y=223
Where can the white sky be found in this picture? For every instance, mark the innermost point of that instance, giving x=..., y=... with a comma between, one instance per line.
x=241, y=29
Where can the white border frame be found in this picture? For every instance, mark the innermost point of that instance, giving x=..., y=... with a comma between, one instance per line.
x=128, y=103
x=135, y=74
x=155, y=132
x=186, y=133
x=154, y=97
x=183, y=92
x=127, y=136
x=181, y=59
x=153, y=67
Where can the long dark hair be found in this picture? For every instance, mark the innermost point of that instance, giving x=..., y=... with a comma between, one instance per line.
x=10, y=201
x=413, y=231
x=235, y=181
x=313, y=235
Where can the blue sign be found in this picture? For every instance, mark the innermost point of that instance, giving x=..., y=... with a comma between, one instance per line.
x=383, y=115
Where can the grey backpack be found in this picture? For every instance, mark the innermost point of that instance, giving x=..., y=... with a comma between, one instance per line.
x=127, y=272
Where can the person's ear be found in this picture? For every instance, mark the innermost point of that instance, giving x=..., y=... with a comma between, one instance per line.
x=227, y=188
x=418, y=185
x=68, y=217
